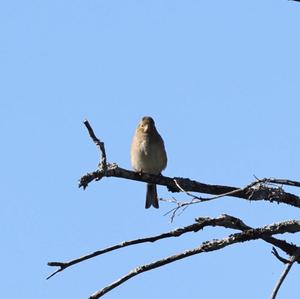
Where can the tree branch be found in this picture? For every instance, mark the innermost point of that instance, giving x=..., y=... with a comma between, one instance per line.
x=197, y=199
x=257, y=190
x=252, y=234
x=103, y=164
x=282, y=181
x=223, y=221
x=259, y=193
x=280, y=258
x=175, y=233
x=285, y=272
x=269, y=189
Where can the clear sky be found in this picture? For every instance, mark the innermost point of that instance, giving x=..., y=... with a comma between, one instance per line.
x=222, y=81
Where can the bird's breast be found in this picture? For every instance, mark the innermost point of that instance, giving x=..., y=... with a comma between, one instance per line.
x=149, y=157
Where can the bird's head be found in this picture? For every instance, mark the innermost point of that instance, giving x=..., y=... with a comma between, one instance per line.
x=146, y=125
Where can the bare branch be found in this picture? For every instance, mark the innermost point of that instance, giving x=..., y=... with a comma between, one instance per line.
x=236, y=223
x=254, y=191
x=280, y=258
x=202, y=199
x=285, y=272
x=282, y=181
x=269, y=189
x=175, y=233
x=196, y=199
x=261, y=193
x=213, y=245
x=103, y=164
x=223, y=220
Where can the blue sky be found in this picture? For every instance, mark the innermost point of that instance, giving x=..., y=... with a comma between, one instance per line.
x=221, y=79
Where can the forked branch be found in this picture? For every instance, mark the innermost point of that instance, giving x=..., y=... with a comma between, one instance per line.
x=269, y=189
x=289, y=264
x=258, y=190
x=223, y=221
x=252, y=234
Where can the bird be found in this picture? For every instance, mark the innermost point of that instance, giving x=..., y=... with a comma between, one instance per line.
x=148, y=155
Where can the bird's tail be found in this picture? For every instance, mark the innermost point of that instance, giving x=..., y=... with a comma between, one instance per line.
x=151, y=197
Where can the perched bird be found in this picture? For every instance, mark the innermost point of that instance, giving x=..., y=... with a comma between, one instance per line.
x=148, y=155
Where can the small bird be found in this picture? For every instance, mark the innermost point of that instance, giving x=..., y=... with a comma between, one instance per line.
x=148, y=155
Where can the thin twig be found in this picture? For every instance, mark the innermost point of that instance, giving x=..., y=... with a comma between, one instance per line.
x=197, y=199
x=285, y=272
x=282, y=182
x=175, y=233
x=204, y=247
x=280, y=258
x=202, y=199
x=100, y=145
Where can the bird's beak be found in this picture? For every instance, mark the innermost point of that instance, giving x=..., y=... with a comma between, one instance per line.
x=146, y=128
